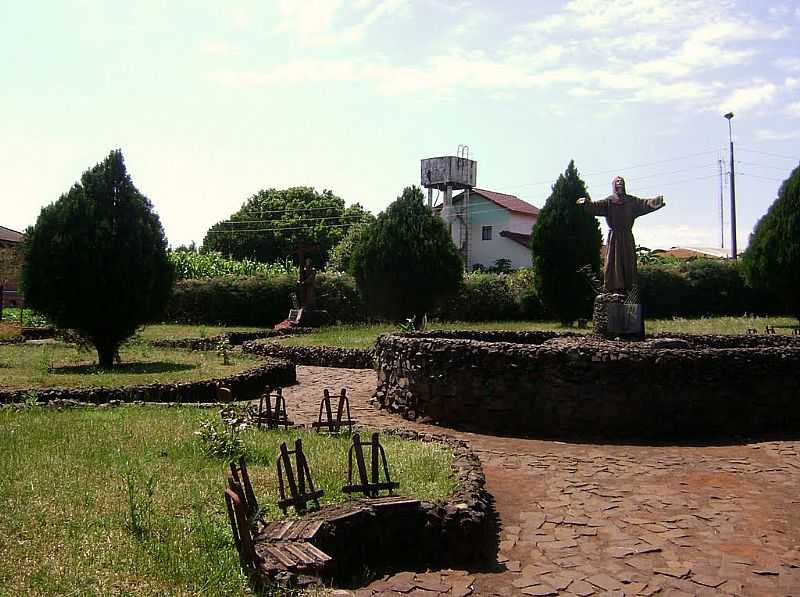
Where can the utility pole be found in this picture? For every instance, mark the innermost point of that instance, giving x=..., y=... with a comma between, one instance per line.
x=729, y=116
x=721, y=196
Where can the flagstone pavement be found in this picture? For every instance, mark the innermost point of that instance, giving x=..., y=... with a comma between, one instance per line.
x=588, y=519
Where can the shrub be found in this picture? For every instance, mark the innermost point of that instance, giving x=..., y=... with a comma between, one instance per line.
x=482, y=297
x=701, y=287
x=96, y=260
x=259, y=300
x=564, y=239
x=406, y=263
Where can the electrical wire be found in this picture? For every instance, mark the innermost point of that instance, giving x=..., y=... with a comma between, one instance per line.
x=774, y=155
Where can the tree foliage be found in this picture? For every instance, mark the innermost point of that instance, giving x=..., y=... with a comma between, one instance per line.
x=772, y=259
x=272, y=224
x=406, y=263
x=564, y=239
x=96, y=259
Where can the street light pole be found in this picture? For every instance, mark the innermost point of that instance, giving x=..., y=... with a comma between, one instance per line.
x=729, y=116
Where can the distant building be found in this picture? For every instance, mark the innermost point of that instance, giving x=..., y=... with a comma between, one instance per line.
x=694, y=252
x=494, y=226
x=10, y=239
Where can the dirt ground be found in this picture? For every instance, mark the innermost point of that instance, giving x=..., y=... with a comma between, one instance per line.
x=587, y=519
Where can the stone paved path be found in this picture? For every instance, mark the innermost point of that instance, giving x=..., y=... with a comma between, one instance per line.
x=582, y=519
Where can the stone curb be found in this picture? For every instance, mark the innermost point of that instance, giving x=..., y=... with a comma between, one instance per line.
x=246, y=385
x=233, y=338
x=316, y=356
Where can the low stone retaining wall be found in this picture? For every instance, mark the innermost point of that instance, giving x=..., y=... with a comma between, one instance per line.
x=233, y=338
x=564, y=385
x=317, y=356
x=246, y=385
x=456, y=531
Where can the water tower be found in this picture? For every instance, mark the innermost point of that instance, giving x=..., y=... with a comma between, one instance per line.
x=445, y=174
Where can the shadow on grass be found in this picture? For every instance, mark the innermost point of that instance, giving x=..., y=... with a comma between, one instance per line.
x=126, y=368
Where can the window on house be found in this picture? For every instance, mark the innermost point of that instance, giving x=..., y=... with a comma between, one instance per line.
x=486, y=233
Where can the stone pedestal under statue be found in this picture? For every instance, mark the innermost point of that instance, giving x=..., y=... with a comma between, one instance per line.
x=614, y=317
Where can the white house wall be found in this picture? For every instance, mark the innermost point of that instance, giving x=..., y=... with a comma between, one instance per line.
x=486, y=252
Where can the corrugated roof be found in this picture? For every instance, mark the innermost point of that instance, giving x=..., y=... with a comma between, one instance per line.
x=10, y=236
x=510, y=202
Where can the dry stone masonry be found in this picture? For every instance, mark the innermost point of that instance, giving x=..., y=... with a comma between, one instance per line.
x=565, y=385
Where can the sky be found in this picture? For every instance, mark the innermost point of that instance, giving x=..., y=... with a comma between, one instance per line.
x=211, y=102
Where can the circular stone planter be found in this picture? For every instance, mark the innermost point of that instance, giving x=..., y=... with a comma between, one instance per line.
x=566, y=385
x=246, y=385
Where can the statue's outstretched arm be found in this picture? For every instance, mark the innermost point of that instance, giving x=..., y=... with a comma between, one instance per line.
x=645, y=206
x=596, y=208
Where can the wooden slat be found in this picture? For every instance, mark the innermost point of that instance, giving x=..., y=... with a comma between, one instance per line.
x=275, y=550
x=311, y=529
x=320, y=555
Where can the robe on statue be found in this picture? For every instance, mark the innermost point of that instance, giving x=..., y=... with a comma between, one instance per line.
x=620, y=210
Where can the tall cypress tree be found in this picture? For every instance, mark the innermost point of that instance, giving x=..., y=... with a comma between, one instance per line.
x=564, y=239
x=96, y=260
x=772, y=259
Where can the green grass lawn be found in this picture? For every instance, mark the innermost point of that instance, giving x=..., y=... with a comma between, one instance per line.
x=176, y=331
x=124, y=501
x=65, y=365
x=364, y=336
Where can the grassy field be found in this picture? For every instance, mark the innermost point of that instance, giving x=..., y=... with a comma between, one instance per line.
x=364, y=336
x=64, y=365
x=176, y=331
x=124, y=501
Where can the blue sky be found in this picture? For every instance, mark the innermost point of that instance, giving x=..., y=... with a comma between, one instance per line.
x=213, y=101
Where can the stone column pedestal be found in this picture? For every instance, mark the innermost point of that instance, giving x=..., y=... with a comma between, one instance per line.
x=612, y=317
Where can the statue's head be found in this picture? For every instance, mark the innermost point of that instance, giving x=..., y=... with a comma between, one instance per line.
x=618, y=185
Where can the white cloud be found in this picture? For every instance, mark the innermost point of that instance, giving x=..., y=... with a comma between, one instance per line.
x=548, y=24
x=771, y=135
x=791, y=82
x=220, y=48
x=792, y=110
x=750, y=97
x=789, y=64
x=321, y=22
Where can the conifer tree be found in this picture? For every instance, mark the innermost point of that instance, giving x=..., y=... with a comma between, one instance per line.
x=564, y=239
x=96, y=259
x=772, y=259
x=406, y=263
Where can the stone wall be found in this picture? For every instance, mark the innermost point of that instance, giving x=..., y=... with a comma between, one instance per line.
x=233, y=338
x=246, y=385
x=564, y=385
x=318, y=356
x=456, y=531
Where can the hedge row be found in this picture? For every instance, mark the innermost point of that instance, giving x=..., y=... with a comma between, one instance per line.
x=701, y=287
x=258, y=300
x=686, y=289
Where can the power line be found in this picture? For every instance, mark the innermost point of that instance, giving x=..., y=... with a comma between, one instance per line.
x=236, y=231
x=774, y=155
x=761, y=165
x=761, y=177
x=355, y=218
x=619, y=169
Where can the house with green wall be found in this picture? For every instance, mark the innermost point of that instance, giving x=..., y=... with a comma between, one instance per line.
x=486, y=226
